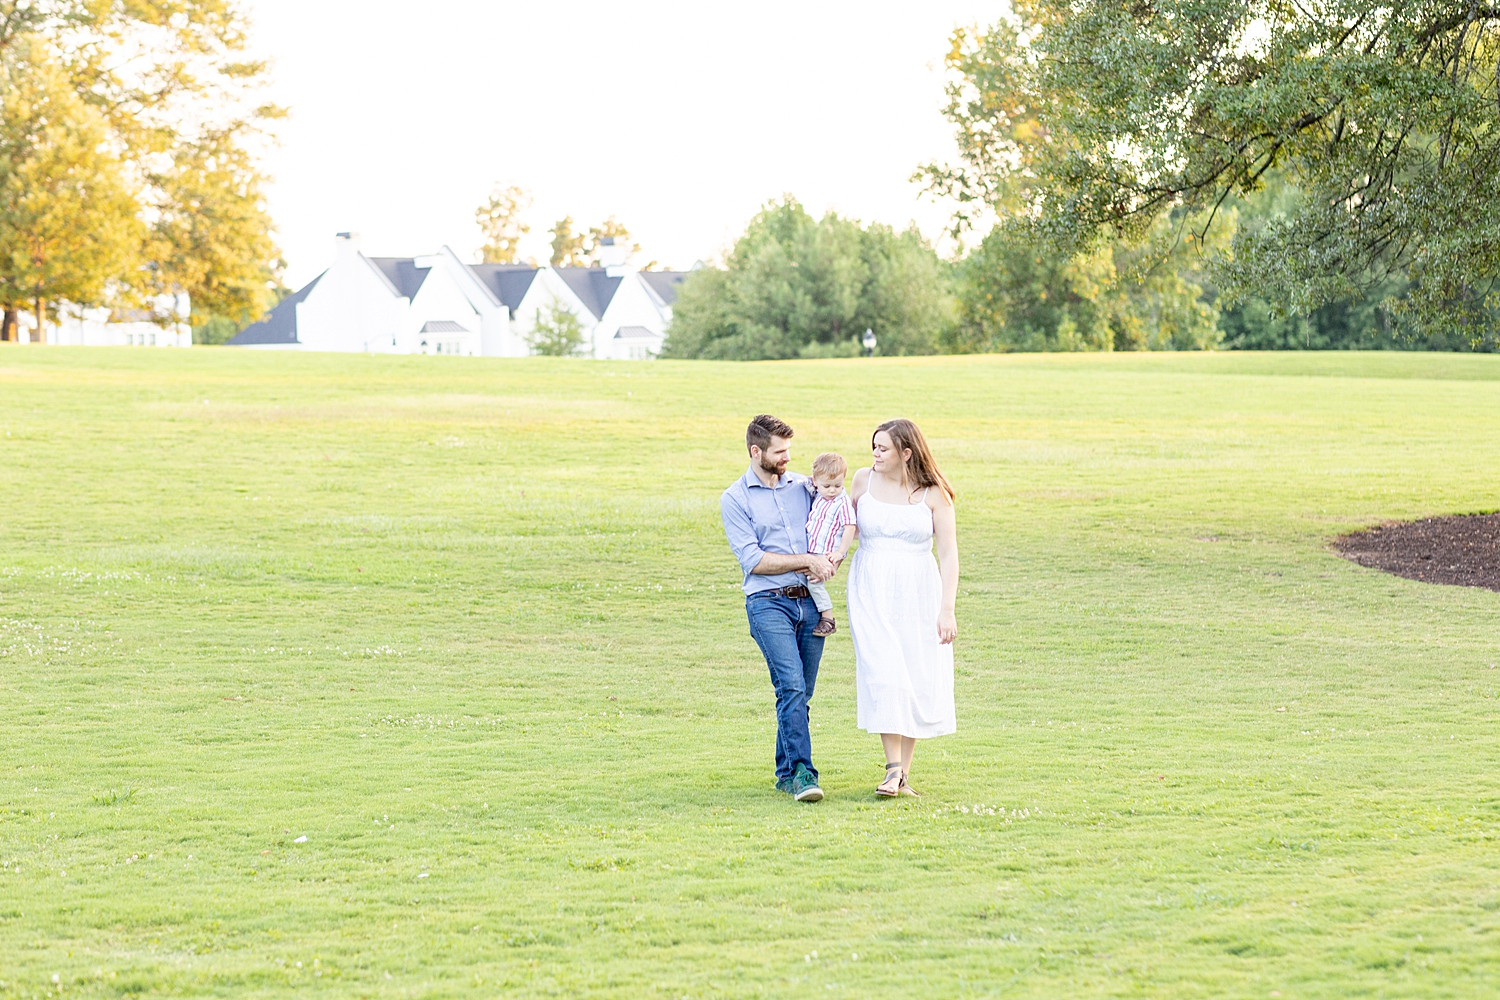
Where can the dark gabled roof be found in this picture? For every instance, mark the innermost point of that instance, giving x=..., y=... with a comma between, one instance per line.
x=664, y=283
x=280, y=325
x=591, y=284
x=443, y=326
x=507, y=282
x=402, y=272
x=633, y=333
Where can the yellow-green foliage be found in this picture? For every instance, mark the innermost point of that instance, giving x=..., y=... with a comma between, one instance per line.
x=1018, y=292
x=470, y=627
x=126, y=164
x=499, y=219
x=67, y=214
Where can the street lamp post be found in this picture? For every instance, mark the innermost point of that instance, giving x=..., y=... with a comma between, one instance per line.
x=869, y=342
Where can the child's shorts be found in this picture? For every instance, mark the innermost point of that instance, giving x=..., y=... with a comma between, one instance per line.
x=820, y=596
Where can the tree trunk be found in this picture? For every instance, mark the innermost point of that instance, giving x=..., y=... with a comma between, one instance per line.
x=38, y=336
x=10, y=326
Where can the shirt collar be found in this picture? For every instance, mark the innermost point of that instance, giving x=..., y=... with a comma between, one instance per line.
x=788, y=478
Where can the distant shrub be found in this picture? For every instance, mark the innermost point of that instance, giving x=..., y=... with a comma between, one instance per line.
x=215, y=330
x=557, y=333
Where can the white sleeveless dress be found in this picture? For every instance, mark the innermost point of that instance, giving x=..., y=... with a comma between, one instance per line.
x=903, y=676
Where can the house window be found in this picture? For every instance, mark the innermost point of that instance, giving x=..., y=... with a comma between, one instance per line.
x=450, y=347
x=153, y=340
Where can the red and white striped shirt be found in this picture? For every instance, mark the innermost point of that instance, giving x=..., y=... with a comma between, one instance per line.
x=826, y=523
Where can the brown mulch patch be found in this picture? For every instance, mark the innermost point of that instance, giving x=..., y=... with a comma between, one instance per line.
x=1463, y=551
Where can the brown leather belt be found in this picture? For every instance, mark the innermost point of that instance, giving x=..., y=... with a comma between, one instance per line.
x=796, y=593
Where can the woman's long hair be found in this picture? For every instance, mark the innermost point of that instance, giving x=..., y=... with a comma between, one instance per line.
x=921, y=468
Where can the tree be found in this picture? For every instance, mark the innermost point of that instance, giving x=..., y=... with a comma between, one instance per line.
x=212, y=235
x=556, y=333
x=567, y=246
x=797, y=287
x=215, y=330
x=1018, y=293
x=67, y=217
x=609, y=228
x=1253, y=323
x=159, y=128
x=500, y=221
x=570, y=249
x=1098, y=117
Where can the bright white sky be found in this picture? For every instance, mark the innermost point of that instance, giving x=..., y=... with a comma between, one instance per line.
x=679, y=118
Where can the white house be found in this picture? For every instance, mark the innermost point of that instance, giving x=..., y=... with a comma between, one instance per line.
x=163, y=326
x=628, y=310
x=437, y=304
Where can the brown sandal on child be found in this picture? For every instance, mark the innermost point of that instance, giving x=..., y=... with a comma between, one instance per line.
x=825, y=627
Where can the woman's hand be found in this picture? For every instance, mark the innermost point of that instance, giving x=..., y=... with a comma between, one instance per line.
x=947, y=627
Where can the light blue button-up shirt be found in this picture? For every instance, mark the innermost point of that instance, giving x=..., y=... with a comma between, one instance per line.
x=760, y=519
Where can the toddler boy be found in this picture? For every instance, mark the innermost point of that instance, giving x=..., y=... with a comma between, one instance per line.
x=830, y=528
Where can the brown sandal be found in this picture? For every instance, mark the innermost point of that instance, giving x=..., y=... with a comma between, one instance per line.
x=881, y=789
x=825, y=628
x=906, y=789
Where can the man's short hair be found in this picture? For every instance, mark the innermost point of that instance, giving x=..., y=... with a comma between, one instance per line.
x=830, y=463
x=762, y=428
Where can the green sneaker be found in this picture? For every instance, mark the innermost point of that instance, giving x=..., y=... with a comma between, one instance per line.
x=784, y=785
x=805, y=786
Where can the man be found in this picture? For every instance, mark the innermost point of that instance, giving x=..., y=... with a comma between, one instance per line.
x=765, y=519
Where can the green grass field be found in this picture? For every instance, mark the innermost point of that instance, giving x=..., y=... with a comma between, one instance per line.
x=425, y=677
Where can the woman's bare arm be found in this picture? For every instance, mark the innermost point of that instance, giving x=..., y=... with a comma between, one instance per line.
x=946, y=532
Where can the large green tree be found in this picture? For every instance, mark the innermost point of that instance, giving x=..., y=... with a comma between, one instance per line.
x=161, y=124
x=67, y=215
x=1018, y=292
x=1361, y=322
x=1094, y=118
x=795, y=286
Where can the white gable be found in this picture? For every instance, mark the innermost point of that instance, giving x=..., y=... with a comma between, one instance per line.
x=442, y=318
x=637, y=312
x=353, y=307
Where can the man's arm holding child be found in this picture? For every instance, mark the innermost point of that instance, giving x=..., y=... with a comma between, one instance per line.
x=754, y=559
x=818, y=568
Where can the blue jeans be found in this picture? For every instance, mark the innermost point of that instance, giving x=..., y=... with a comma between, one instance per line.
x=782, y=627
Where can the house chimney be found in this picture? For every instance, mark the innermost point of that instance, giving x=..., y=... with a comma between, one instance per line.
x=345, y=245
x=612, y=256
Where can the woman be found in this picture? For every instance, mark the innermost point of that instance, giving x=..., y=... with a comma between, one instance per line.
x=901, y=601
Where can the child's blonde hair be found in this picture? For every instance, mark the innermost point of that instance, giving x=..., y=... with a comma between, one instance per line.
x=830, y=463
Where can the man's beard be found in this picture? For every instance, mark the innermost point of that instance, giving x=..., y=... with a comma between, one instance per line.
x=775, y=469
